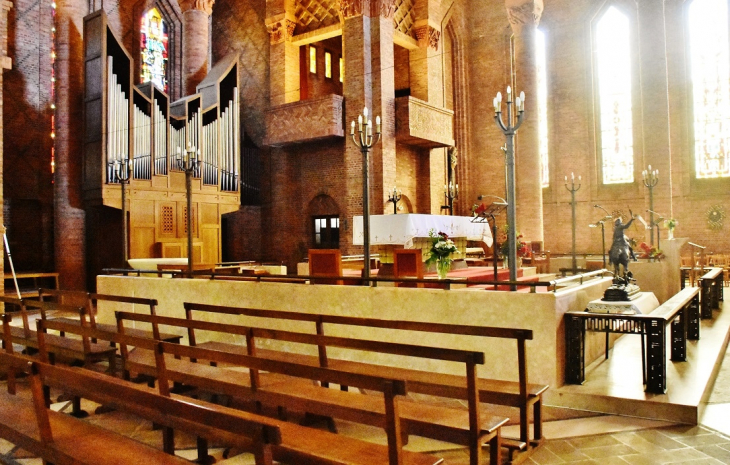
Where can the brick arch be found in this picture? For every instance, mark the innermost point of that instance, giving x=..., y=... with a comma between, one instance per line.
x=322, y=204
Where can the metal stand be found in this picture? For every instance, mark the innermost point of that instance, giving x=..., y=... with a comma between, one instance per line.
x=189, y=163
x=122, y=169
x=657, y=223
x=395, y=197
x=489, y=213
x=365, y=143
x=10, y=260
x=509, y=130
x=572, y=189
x=651, y=178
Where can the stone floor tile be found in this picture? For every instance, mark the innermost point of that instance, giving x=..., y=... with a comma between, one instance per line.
x=639, y=443
x=718, y=451
x=593, y=441
x=544, y=456
x=657, y=437
x=703, y=440
x=615, y=450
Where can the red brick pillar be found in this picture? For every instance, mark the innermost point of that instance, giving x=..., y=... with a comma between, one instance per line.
x=524, y=16
x=5, y=63
x=69, y=216
x=383, y=174
x=283, y=55
x=196, y=46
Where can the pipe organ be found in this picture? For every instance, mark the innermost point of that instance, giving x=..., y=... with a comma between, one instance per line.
x=140, y=124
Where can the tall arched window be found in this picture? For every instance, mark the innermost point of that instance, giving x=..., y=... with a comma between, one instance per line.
x=154, y=49
x=542, y=123
x=710, y=62
x=613, y=60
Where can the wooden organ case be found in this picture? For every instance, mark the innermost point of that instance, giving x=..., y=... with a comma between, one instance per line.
x=139, y=123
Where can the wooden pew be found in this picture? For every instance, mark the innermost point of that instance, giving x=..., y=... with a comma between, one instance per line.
x=81, y=351
x=299, y=444
x=63, y=439
x=465, y=427
x=91, y=302
x=469, y=428
x=520, y=394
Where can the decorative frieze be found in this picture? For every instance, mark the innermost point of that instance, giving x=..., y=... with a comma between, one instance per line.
x=421, y=124
x=373, y=8
x=428, y=36
x=280, y=31
x=205, y=6
x=523, y=12
x=352, y=8
x=305, y=121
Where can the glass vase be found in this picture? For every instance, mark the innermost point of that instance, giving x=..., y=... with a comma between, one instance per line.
x=443, y=265
x=670, y=234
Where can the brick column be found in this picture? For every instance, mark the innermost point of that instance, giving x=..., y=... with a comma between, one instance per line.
x=196, y=15
x=69, y=216
x=283, y=55
x=383, y=174
x=357, y=90
x=5, y=63
x=524, y=16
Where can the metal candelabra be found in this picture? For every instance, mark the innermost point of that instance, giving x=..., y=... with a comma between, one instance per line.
x=365, y=142
x=189, y=162
x=651, y=178
x=122, y=172
x=395, y=197
x=601, y=223
x=509, y=130
x=572, y=189
x=451, y=191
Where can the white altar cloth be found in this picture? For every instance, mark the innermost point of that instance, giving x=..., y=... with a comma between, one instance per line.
x=401, y=229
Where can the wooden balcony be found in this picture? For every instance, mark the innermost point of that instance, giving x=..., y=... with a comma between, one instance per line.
x=422, y=124
x=305, y=121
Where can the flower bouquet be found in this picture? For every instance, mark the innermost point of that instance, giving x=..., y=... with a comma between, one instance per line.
x=440, y=252
x=671, y=223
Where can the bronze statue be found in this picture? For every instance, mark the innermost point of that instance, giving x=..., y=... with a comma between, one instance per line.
x=620, y=252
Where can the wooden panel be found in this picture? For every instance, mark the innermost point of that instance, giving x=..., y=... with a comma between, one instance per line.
x=182, y=220
x=168, y=250
x=209, y=213
x=93, y=83
x=142, y=242
x=166, y=219
x=142, y=211
x=211, y=247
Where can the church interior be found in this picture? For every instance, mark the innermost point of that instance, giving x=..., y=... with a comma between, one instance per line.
x=243, y=147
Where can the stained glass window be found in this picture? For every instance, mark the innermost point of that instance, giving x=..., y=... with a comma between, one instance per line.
x=542, y=125
x=327, y=64
x=312, y=60
x=153, y=44
x=710, y=59
x=613, y=52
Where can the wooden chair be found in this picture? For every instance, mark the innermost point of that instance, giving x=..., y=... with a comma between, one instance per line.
x=408, y=263
x=325, y=262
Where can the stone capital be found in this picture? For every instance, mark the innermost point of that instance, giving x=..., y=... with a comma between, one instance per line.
x=280, y=29
x=352, y=8
x=523, y=13
x=383, y=8
x=427, y=36
x=205, y=6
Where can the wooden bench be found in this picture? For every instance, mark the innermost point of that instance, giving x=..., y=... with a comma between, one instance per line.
x=91, y=302
x=681, y=311
x=465, y=427
x=299, y=444
x=519, y=394
x=77, y=351
x=711, y=291
x=63, y=439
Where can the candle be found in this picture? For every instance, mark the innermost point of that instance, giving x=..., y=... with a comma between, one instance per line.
x=517, y=103
x=352, y=128
x=572, y=177
x=509, y=91
x=365, y=112
x=377, y=122
x=359, y=123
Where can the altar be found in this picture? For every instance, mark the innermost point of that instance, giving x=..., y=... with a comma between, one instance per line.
x=410, y=231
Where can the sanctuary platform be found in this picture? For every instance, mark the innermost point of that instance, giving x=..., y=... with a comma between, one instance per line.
x=615, y=385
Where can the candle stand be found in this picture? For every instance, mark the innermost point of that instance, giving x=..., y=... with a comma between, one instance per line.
x=572, y=189
x=121, y=170
x=651, y=179
x=395, y=197
x=189, y=162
